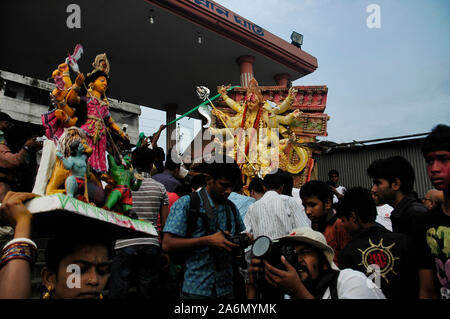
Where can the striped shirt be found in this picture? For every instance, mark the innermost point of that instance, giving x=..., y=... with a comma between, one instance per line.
x=147, y=203
x=274, y=216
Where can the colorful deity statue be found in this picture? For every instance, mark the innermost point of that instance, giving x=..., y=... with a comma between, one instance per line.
x=261, y=134
x=94, y=125
x=64, y=112
x=124, y=179
x=76, y=183
x=59, y=173
x=62, y=115
x=99, y=119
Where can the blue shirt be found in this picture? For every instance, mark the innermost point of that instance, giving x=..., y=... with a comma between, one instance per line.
x=201, y=274
x=168, y=180
x=242, y=202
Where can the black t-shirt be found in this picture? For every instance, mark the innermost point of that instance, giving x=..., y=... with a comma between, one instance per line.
x=434, y=253
x=393, y=255
x=408, y=216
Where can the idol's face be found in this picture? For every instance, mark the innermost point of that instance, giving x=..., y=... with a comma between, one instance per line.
x=252, y=101
x=100, y=84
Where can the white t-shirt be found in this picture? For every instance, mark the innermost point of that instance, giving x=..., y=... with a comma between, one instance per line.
x=352, y=284
x=275, y=216
x=341, y=190
x=296, y=195
x=384, y=216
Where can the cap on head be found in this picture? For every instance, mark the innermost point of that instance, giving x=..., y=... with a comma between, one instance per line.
x=314, y=238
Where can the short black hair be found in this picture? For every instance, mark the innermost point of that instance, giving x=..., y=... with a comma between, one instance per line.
x=223, y=167
x=183, y=189
x=171, y=165
x=333, y=172
x=288, y=182
x=159, y=153
x=359, y=201
x=142, y=158
x=391, y=168
x=317, y=188
x=437, y=140
x=198, y=181
x=256, y=185
x=238, y=186
x=273, y=181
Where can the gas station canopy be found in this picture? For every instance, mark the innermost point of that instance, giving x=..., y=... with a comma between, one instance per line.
x=159, y=51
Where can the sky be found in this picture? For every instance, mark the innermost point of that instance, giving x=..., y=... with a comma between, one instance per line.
x=382, y=82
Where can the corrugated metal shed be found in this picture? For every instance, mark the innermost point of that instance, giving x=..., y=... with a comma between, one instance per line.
x=353, y=161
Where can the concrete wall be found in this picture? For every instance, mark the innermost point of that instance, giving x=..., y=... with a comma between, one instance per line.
x=22, y=109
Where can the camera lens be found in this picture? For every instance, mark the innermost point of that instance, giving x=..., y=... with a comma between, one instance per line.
x=261, y=246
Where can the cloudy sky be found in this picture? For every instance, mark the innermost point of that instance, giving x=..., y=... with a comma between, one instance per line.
x=382, y=82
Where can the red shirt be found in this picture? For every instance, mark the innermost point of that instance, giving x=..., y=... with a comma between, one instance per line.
x=337, y=237
x=173, y=197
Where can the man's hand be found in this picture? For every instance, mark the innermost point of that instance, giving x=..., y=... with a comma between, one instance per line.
x=165, y=261
x=33, y=144
x=287, y=280
x=161, y=127
x=218, y=240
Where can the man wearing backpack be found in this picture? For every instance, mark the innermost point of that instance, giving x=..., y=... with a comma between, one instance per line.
x=198, y=228
x=315, y=276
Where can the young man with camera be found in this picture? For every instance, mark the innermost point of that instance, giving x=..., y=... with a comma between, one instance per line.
x=314, y=275
x=210, y=248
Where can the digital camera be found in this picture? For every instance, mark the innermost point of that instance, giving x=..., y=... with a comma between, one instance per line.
x=240, y=239
x=271, y=251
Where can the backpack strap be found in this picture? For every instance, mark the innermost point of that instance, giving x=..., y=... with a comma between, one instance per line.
x=193, y=213
x=229, y=204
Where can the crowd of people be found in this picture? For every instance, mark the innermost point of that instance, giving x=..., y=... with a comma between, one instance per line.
x=322, y=241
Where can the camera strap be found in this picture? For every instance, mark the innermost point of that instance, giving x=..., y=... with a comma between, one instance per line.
x=328, y=280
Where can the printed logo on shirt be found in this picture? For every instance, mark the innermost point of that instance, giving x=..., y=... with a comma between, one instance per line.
x=378, y=255
x=439, y=242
